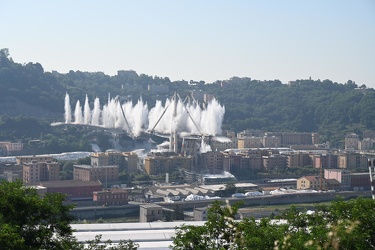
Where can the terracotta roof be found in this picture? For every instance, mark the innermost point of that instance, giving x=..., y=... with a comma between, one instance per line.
x=312, y=177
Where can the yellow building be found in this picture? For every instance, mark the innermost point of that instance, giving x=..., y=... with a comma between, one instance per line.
x=312, y=182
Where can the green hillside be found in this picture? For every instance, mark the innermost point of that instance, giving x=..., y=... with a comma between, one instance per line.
x=323, y=106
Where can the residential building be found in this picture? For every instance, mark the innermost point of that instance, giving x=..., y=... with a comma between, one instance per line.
x=34, y=171
x=341, y=175
x=212, y=162
x=351, y=141
x=222, y=145
x=250, y=142
x=271, y=141
x=160, y=164
x=250, y=132
x=131, y=162
x=298, y=159
x=312, y=182
x=10, y=147
x=232, y=162
x=351, y=160
x=315, y=138
x=296, y=138
x=105, y=174
x=366, y=144
x=124, y=160
x=255, y=162
x=274, y=161
x=37, y=158
x=107, y=159
x=324, y=160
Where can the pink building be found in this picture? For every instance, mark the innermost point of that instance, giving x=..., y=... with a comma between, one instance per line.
x=342, y=175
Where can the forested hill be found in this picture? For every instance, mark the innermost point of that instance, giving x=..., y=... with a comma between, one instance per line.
x=306, y=105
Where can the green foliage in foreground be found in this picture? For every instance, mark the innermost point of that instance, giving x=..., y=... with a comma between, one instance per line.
x=30, y=222
x=341, y=225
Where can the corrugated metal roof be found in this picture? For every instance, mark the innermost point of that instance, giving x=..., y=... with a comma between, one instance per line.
x=151, y=235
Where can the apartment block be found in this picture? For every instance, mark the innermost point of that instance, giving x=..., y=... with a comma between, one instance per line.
x=104, y=174
x=295, y=138
x=274, y=161
x=159, y=164
x=298, y=159
x=324, y=160
x=232, y=162
x=271, y=141
x=37, y=158
x=352, y=161
x=221, y=146
x=10, y=147
x=250, y=142
x=212, y=161
x=124, y=160
x=34, y=171
x=250, y=132
x=366, y=144
x=255, y=162
x=351, y=141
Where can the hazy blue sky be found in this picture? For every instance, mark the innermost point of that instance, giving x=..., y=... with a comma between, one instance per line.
x=196, y=40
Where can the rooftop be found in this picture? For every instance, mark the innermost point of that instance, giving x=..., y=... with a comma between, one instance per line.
x=89, y=166
x=69, y=183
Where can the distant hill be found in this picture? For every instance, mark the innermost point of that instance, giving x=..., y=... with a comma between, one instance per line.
x=304, y=105
x=12, y=106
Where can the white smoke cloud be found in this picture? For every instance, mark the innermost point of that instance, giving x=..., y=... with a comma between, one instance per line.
x=78, y=113
x=68, y=109
x=86, y=112
x=188, y=119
